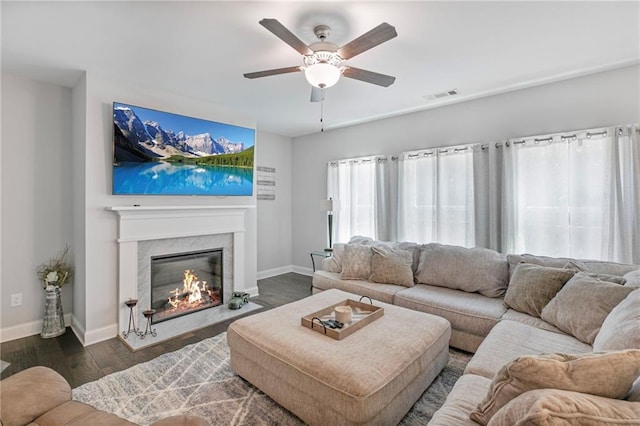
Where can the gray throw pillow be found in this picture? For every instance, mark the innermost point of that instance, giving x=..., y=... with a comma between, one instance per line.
x=356, y=262
x=580, y=308
x=621, y=328
x=532, y=287
x=609, y=375
x=391, y=266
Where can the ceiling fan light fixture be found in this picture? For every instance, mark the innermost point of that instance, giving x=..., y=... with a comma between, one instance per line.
x=322, y=75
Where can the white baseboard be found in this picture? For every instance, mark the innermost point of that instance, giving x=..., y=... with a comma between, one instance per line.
x=100, y=334
x=275, y=271
x=77, y=329
x=27, y=329
x=253, y=291
x=302, y=270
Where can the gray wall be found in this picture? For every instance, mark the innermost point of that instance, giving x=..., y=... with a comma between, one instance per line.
x=274, y=216
x=36, y=195
x=596, y=100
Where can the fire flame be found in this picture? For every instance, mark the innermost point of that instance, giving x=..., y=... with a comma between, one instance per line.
x=191, y=287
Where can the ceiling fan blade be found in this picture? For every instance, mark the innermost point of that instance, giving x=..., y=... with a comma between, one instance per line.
x=378, y=35
x=317, y=94
x=285, y=35
x=267, y=73
x=369, y=76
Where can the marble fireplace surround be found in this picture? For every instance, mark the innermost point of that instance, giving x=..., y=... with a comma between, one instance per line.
x=157, y=230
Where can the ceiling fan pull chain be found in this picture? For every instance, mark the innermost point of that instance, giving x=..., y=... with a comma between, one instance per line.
x=322, y=112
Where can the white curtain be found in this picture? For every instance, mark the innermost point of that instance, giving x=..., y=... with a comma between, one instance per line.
x=568, y=195
x=366, y=193
x=621, y=228
x=436, y=197
x=574, y=195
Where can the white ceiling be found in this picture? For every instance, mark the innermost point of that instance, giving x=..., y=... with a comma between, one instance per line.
x=201, y=50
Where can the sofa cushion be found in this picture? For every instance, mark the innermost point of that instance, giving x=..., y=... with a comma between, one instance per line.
x=609, y=375
x=474, y=270
x=470, y=312
x=621, y=328
x=591, y=266
x=78, y=413
x=579, y=266
x=333, y=263
x=582, y=305
x=605, y=267
x=532, y=286
x=391, y=266
x=465, y=396
x=555, y=407
x=514, y=315
x=356, y=263
x=30, y=393
x=552, y=262
x=510, y=339
x=632, y=279
x=324, y=280
x=359, y=239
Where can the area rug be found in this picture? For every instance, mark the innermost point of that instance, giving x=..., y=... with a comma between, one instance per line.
x=198, y=380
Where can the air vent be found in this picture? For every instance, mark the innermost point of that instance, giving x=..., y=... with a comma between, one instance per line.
x=441, y=95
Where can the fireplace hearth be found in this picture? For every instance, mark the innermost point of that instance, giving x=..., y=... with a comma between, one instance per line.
x=184, y=283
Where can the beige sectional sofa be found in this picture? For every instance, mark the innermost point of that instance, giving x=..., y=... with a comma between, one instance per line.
x=505, y=308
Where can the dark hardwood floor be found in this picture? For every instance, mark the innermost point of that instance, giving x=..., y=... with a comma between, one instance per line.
x=80, y=364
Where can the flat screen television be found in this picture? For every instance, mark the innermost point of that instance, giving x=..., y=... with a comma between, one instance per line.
x=160, y=153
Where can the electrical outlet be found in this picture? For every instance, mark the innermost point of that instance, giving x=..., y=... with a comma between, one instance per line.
x=16, y=300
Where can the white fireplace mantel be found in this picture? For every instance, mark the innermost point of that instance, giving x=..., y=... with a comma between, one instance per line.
x=139, y=224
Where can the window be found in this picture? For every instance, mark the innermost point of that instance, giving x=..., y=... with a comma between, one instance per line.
x=436, y=197
x=565, y=195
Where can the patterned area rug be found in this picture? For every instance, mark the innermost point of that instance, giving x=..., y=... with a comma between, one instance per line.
x=198, y=380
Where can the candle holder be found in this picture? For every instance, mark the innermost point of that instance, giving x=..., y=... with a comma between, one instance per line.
x=148, y=314
x=131, y=303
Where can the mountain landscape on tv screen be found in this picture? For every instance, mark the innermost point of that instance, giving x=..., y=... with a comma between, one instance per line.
x=148, y=141
x=184, y=160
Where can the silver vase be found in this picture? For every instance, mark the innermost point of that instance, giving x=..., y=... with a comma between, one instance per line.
x=53, y=321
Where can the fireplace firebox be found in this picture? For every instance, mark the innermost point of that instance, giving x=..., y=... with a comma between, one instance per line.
x=183, y=283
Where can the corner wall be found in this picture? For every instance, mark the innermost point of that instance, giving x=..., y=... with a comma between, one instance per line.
x=274, y=216
x=596, y=100
x=36, y=196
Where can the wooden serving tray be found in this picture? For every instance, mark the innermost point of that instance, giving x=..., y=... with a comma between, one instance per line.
x=362, y=314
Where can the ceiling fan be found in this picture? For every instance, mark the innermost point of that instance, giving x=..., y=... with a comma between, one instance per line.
x=323, y=60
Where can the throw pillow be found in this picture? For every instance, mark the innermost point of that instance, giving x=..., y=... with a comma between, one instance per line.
x=621, y=328
x=356, y=264
x=561, y=407
x=580, y=308
x=531, y=287
x=632, y=278
x=474, y=270
x=333, y=263
x=578, y=266
x=609, y=375
x=391, y=266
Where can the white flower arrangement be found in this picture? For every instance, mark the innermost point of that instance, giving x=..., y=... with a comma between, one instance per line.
x=56, y=272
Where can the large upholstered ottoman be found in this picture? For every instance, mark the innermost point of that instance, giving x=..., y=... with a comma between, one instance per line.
x=373, y=376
